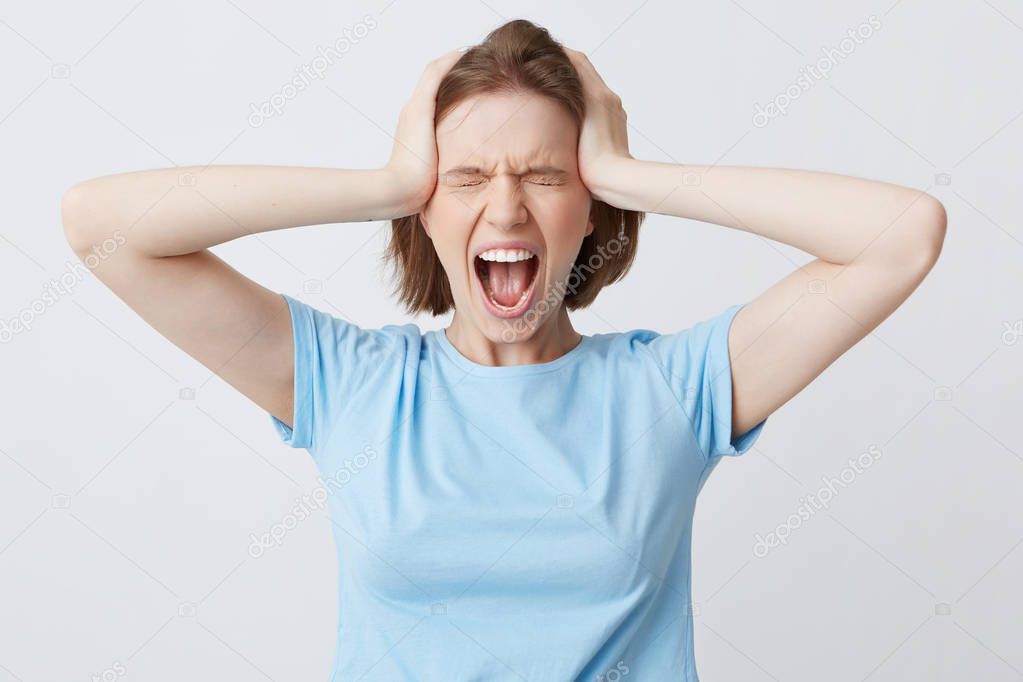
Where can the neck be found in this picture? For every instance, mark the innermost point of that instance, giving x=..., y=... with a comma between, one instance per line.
x=550, y=341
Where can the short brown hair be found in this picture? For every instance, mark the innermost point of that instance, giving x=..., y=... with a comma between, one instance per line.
x=518, y=56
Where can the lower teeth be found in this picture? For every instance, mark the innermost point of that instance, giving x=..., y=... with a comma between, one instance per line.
x=490, y=294
x=511, y=307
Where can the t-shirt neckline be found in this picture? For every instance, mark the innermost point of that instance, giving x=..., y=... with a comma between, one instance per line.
x=453, y=354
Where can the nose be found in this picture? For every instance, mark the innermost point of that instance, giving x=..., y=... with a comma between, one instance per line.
x=505, y=208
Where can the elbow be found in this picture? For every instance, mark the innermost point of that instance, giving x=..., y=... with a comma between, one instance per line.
x=935, y=226
x=74, y=216
x=929, y=228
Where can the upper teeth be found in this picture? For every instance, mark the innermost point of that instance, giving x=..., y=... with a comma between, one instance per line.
x=506, y=255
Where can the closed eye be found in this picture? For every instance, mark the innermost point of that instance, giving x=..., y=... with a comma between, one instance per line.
x=545, y=181
x=469, y=182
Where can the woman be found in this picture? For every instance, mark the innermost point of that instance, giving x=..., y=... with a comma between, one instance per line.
x=511, y=500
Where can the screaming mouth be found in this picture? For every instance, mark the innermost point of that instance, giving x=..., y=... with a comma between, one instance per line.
x=507, y=276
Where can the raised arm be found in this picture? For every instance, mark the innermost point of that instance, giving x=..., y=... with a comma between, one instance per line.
x=874, y=243
x=148, y=235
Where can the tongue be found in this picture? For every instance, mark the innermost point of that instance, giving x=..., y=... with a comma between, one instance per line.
x=508, y=281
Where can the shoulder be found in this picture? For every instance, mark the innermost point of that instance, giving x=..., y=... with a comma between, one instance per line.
x=682, y=356
x=705, y=335
x=629, y=342
x=329, y=336
x=628, y=350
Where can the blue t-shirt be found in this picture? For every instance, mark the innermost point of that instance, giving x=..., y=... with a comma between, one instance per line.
x=528, y=522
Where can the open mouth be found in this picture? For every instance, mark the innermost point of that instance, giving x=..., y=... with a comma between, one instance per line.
x=507, y=279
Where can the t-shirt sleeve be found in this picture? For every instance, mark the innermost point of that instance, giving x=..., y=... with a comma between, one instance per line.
x=696, y=364
x=333, y=358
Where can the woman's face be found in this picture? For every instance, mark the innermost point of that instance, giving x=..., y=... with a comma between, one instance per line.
x=510, y=212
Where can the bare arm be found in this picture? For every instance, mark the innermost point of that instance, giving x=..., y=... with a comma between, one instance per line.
x=175, y=211
x=874, y=243
x=158, y=226
x=161, y=267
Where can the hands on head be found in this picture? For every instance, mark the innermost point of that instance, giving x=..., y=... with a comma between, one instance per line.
x=603, y=137
x=413, y=162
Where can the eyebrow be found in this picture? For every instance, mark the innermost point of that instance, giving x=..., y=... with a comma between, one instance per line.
x=534, y=170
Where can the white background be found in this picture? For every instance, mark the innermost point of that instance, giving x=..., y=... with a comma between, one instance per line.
x=126, y=508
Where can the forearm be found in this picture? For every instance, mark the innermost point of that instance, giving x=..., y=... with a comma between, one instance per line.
x=173, y=211
x=833, y=217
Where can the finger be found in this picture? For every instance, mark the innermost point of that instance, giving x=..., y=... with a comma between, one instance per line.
x=586, y=70
x=435, y=71
x=580, y=60
x=447, y=60
x=442, y=64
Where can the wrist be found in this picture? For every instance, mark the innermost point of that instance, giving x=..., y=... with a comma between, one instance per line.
x=404, y=196
x=610, y=180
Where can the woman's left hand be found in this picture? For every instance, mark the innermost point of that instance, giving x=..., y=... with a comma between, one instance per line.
x=604, y=138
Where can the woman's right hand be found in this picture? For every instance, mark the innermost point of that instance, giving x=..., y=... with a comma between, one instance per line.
x=413, y=163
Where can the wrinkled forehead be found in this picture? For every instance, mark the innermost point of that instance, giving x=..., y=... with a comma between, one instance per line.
x=507, y=131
